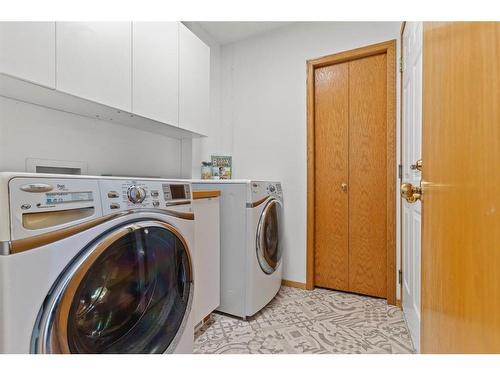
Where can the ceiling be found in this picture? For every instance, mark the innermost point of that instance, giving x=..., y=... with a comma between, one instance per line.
x=228, y=32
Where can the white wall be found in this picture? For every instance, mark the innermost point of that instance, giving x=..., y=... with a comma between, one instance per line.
x=219, y=140
x=264, y=103
x=30, y=131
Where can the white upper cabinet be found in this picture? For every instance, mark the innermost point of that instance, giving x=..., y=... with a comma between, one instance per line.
x=94, y=61
x=27, y=51
x=151, y=72
x=155, y=71
x=194, y=82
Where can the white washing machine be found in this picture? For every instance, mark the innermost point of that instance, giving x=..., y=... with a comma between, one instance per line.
x=95, y=265
x=251, y=243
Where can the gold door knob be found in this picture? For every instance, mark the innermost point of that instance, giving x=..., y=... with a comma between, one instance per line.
x=411, y=193
x=417, y=165
x=343, y=186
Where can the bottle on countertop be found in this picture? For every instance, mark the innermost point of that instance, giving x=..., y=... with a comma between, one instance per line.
x=206, y=170
x=215, y=173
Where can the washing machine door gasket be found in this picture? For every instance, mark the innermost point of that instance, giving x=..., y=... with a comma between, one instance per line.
x=130, y=291
x=269, y=232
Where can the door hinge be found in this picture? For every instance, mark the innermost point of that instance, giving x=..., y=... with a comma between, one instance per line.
x=400, y=277
x=400, y=171
x=401, y=64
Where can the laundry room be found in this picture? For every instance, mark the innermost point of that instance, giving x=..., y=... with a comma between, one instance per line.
x=188, y=179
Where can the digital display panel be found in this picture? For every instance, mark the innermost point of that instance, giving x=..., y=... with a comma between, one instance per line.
x=69, y=197
x=177, y=191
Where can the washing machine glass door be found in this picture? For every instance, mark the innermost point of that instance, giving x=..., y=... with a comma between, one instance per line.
x=130, y=292
x=269, y=232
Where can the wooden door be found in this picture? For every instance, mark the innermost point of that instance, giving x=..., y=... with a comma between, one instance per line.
x=353, y=150
x=411, y=151
x=461, y=188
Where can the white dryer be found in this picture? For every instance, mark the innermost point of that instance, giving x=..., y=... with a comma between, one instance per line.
x=95, y=265
x=251, y=243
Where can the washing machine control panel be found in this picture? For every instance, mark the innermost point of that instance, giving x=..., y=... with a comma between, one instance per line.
x=132, y=194
x=136, y=194
x=43, y=204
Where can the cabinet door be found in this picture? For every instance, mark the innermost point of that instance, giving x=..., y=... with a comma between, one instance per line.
x=28, y=51
x=194, y=82
x=94, y=61
x=331, y=260
x=368, y=135
x=207, y=257
x=155, y=71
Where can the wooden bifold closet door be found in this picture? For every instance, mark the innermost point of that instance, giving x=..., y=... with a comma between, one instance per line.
x=350, y=190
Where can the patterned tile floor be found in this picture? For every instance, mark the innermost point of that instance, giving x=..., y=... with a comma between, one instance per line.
x=318, y=321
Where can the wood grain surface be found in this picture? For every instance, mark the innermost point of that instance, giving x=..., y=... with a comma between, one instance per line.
x=461, y=188
x=368, y=176
x=391, y=175
x=293, y=284
x=323, y=175
x=204, y=194
x=331, y=155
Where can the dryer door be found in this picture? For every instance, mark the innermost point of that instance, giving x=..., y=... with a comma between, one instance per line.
x=269, y=232
x=129, y=292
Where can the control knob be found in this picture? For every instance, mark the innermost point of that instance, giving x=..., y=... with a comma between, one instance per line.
x=136, y=194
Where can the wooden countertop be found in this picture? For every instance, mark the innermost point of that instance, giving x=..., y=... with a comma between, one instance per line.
x=203, y=194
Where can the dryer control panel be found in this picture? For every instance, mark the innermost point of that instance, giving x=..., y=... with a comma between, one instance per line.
x=274, y=189
x=262, y=189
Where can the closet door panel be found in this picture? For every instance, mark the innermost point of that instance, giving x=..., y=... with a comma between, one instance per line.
x=368, y=176
x=331, y=158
